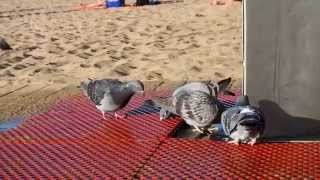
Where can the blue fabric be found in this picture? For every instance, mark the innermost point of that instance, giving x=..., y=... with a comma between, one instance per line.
x=10, y=124
x=114, y=3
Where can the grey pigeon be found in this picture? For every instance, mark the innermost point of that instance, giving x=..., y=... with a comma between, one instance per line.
x=243, y=123
x=111, y=95
x=197, y=108
x=4, y=45
x=210, y=87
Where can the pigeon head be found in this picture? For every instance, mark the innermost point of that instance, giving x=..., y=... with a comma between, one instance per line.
x=220, y=86
x=247, y=130
x=137, y=86
x=164, y=114
x=249, y=127
x=84, y=86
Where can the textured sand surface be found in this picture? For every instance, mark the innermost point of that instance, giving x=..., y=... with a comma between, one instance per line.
x=55, y=47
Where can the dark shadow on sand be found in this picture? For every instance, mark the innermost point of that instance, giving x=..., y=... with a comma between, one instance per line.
x=188, y=132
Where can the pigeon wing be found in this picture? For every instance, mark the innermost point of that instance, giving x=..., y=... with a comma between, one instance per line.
x=97, y=89
x=198, y=107
x=121, y=93
x=191, y=87
x=230, y=119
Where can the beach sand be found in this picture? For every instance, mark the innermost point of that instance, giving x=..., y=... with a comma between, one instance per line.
x=55, y=47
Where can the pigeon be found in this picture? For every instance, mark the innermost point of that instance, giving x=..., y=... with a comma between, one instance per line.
x=197, y=108
x=210, y=87
x=111, y=95
x=243, y=123
x=4, y=45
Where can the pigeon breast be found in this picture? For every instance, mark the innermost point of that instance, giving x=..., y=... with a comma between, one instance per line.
x=232, y=117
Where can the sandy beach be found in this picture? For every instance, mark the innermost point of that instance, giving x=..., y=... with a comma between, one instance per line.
x=56, y=47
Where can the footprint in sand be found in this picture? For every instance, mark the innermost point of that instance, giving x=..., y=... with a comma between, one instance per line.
x=145, y=59
x=93, y=50
x=112, y=52
x=199, y=15
x=84, y=46
x=53, y=39
x=218, y=75
x=236, y=48
x=15, y=59
x=182, y=52
x=136, y=44
x=153, y=75
x=85, y=65
x=123, y=69
x=84, y=55
x=30, y=64
x=172, y=56
x=102, y=64
x=124, y=38
x=128, y=48
x=125, y=41
x=31, y=48
x=148, y=43
x=123, y=55
x=26, y=55
x=194, y=45
x=39, y=35
x=44, y=70
x=74, y=51
x=55, y=49
x=19, y=67
x=169, y=28
x=130, y=29
x=7, y=73
x=38, y=57
x=115, y=58
x=159, y=44
x=4, y=66
x=143, y=34
x=196, y=69
x=56, y=64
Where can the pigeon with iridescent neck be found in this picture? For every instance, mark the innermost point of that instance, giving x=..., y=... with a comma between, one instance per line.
x=243, y=123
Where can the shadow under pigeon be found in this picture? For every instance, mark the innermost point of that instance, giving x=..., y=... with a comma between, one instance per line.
x=147, y=107
x=188, y=132
x=281, y=126
x=182, y=131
